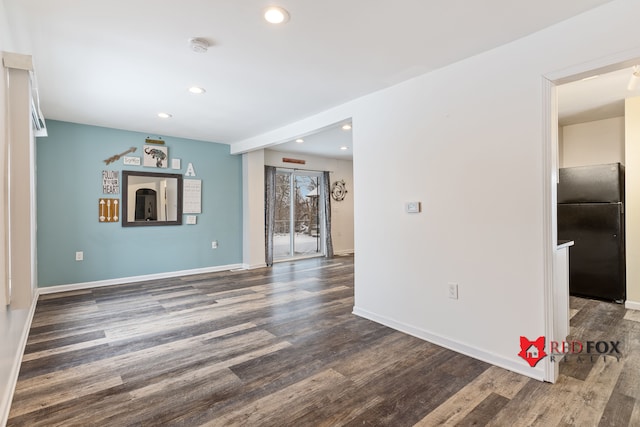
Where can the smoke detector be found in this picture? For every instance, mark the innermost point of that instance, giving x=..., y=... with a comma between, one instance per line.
x=198, y=45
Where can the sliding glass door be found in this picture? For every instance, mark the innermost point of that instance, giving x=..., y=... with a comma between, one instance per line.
x=298, y=226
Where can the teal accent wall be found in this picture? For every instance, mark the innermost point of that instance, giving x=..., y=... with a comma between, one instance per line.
x=69, y=165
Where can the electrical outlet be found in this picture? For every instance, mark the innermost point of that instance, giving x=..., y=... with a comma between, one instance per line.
x=79, y=256
x=214, y=244
x=453, y=290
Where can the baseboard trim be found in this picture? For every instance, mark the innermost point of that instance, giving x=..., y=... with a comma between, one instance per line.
x=124, y=280
x=344, y=252
x=632, y=305
x=252, y=266
x=5, y=404
x=476, y=353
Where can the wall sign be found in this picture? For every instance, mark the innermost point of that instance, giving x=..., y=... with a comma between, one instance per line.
x=133, y=161
x=108, y=210
x=192, y=196
x=110, y=182
x=297, y=161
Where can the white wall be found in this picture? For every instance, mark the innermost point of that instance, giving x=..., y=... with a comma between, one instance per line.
x=15, y=318
x=253, y=239
x=4, y=280
x=593, y=143
x=341, y=212
x=342, y=232
x=473, y=150
x=632, y=199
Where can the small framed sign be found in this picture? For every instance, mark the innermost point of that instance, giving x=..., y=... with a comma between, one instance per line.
x=110, y=182
x=133, y=161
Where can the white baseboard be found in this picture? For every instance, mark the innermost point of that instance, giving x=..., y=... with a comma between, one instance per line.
x=476, y=353
x=124, y=280
x=632, y=305
x=7, y=394
x=344, y=252
x=252, y=266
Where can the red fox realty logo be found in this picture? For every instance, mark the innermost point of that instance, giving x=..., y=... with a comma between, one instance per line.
x=533, y=351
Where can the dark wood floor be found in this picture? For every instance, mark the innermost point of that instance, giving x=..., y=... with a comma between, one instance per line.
x=280, y=347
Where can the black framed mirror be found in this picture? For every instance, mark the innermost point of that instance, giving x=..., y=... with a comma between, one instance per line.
x=151, y=198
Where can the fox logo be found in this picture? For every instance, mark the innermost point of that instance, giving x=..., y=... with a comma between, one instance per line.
x=532, y=351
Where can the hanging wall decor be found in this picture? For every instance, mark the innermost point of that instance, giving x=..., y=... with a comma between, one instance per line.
x=110, y=182
x=192, y=197
x=338, y=190
x=158, y=141
x=156, y=156
x=108, y=210
x=117, y=156
x=132, y=161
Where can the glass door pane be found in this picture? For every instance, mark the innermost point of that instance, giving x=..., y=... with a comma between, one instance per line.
x=298, y=225
x=282, y=237
x=307, y=237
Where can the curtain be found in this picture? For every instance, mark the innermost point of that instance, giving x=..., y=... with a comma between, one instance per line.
x=269, y=211
x=326, y=195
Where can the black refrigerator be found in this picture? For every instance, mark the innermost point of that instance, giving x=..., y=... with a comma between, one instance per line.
x=591, y=213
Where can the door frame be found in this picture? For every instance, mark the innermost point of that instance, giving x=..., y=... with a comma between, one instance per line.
x=550, y=166
x=321, y=213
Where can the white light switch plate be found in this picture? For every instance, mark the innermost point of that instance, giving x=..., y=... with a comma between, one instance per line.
x=413, y=207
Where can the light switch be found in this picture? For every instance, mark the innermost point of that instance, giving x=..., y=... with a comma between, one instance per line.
x=413, y=207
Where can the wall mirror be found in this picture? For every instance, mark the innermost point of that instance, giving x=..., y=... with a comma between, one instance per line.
x=150, y=198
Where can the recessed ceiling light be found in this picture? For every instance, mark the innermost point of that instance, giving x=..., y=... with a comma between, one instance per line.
x=344, y=148
x=164, y=115
x=196, y=89
x=276, y=15
x=299, y=140
x=346, y=127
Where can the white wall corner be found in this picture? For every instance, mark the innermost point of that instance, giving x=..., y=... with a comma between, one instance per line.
x=632, y=305
x=8, y=388
x=253, y=238
x=471, y=351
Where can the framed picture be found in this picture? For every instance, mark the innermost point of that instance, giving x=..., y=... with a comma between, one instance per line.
x=155, y=156
x=110, y=182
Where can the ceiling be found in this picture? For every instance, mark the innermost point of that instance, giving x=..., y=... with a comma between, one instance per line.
x=596, y=98
x=333, y=142
x=118, y=63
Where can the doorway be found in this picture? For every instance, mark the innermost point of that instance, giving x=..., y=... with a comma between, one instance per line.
x=298, y=231
x=558, y=116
